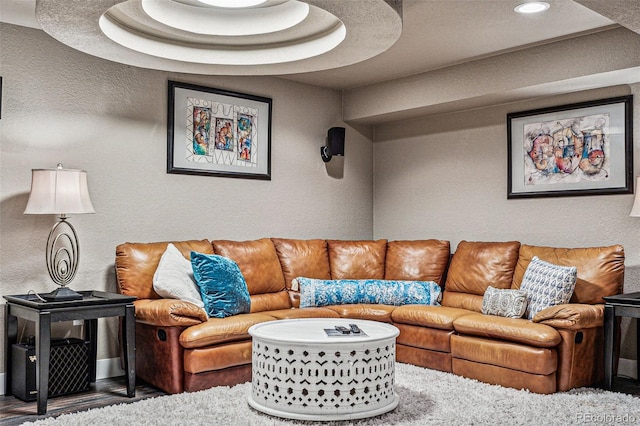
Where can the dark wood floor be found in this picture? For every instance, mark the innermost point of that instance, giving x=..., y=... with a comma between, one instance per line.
x=102, y=393
x=114, y=391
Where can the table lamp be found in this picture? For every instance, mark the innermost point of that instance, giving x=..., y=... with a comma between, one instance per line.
x=61, y=192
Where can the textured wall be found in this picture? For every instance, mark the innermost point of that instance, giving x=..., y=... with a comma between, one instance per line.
x=446, y=177
x=60, y=105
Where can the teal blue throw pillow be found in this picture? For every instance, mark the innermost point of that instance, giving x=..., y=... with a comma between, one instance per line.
x=314, y=292
x=222, y=286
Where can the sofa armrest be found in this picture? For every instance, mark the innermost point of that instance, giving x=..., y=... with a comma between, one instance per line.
x=169, y=312
x=572, y=316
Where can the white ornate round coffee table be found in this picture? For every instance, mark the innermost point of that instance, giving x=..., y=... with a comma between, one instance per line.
x=299, y=372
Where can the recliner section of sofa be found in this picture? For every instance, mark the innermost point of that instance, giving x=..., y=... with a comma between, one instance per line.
x=179, y=349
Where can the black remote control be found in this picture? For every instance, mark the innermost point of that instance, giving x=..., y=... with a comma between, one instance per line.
x=355, y=329
x=342, y=329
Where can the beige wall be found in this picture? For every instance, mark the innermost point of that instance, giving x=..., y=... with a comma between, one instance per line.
x=446, y=177
x=439, y=177
x=60, y=105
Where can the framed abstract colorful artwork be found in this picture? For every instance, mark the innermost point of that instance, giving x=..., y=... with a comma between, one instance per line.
x=218, y=132
x=570, y=150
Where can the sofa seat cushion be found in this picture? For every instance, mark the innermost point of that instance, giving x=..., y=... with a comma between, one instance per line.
x=221, y=330
x=270, y=301
x=364, y=311
x=439, y=317
x=510, y=329
x=514, y=356
x=218, y=357
x=467, y=301
x=303, y=313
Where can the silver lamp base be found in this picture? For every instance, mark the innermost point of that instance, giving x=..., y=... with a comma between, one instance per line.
x=62, y=255
x=62, y=294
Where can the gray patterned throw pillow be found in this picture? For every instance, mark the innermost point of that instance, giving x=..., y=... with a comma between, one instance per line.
x=505, y=303
x=547, y=285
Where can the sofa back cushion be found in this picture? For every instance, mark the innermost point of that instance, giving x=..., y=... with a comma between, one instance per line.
x=419, y=260
x=136, y=263
x=357, y=260
x=600, y=269
x=260, y=267
x=302, y=258
x=476, y=266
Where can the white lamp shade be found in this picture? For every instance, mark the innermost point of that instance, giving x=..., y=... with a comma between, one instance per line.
x=635, y=210
x=59, y=191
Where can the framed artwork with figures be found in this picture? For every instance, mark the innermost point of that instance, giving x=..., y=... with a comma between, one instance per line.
x=578, y=149
x=218, y=132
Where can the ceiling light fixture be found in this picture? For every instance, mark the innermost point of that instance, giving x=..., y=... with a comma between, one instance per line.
x=532, y=7
x=226, y=22
x=229, y=36
x=235, y=4
x=251, y=55
x=214, y=37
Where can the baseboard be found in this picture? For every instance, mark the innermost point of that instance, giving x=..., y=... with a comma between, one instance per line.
x=110, y=367
x=105, y=368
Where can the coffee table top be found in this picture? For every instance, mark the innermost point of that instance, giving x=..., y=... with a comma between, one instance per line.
x=311, y=330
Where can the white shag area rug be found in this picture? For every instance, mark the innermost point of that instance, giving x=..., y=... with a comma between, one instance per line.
x=427, y=397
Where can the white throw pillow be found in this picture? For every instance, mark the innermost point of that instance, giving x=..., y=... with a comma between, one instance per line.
x=173, y=278
x=547, y=285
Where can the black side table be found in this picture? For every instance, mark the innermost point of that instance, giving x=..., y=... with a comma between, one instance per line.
x=94, y=305
x=621, y=305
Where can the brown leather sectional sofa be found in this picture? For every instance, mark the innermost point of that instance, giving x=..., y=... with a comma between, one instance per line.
x=179, y=349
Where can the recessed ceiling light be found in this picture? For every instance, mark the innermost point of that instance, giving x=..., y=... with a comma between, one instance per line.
x=532, y=7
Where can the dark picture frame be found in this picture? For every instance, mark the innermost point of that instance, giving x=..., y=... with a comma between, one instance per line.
x=217, y=132
x=577, y=149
